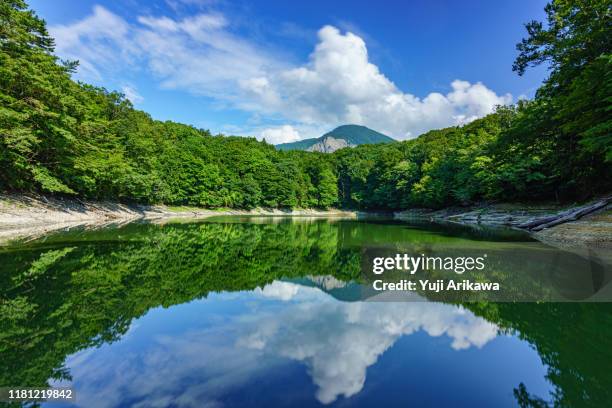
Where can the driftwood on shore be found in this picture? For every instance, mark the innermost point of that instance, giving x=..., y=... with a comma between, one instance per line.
x=570, y=215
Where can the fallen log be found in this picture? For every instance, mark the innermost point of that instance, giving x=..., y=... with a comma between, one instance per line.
x=565, y=216
x=549, y=218
x=538, y=221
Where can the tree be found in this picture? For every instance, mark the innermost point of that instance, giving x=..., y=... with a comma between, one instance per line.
x=573, y=105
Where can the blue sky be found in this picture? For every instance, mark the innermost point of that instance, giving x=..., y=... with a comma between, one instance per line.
x=289, y=70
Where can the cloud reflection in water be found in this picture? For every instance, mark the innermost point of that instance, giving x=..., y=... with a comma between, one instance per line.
x=189, y=364
x=338, y=341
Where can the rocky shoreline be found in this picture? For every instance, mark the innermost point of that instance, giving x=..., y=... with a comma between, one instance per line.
x=25, y=216
x=33, y=215
x=580, y=232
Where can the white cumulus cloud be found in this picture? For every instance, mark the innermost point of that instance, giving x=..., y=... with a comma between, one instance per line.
x=204, y=55
x=340, y=85
x=280, y=134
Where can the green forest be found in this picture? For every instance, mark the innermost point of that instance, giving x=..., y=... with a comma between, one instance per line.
x=62, y=137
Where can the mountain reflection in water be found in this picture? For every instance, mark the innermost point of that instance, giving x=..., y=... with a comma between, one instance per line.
x=235, y=313
x=199, y=357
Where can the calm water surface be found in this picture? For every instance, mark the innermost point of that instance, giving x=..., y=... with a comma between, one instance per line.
x=271, y=312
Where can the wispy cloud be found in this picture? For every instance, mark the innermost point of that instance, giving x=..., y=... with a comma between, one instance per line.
x=98, y=41
x=203, y=55
x=197, y=54
x=132, y=94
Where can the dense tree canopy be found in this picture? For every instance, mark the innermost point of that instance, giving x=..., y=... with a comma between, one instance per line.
x=573, y=109
x=64, y=137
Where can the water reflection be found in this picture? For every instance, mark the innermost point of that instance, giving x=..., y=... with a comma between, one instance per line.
x=338, y=341
x=251, y=314
x=208, y=352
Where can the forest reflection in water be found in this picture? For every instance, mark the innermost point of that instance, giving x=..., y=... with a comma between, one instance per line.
x=226, y=308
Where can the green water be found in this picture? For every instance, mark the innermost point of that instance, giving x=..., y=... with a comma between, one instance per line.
x=276, y=312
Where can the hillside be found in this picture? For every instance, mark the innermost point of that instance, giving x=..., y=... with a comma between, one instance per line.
x=64, y=137
x=342, y=136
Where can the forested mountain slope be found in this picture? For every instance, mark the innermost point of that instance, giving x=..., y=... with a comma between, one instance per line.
x=342, y=136
x=59, y=136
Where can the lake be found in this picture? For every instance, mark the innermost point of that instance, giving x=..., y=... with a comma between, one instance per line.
x=234, y=311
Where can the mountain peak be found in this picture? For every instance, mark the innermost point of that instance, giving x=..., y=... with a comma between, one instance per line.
x=340, y=137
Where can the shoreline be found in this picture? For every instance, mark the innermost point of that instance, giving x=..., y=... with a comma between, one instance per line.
x=30, y=216
x=589, y=234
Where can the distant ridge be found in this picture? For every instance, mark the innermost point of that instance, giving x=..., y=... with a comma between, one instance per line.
x=340, y=137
